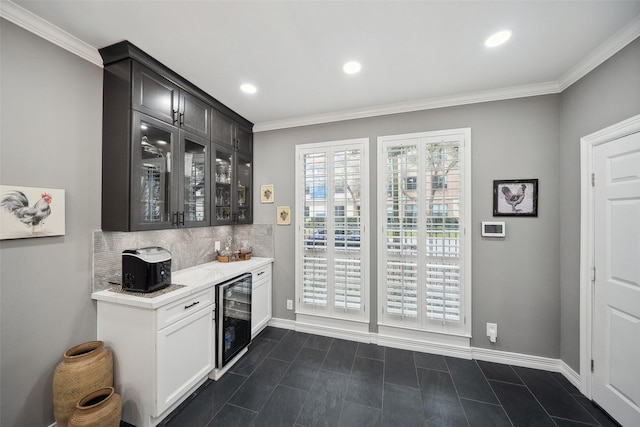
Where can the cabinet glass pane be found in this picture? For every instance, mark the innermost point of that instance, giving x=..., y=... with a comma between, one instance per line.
x=155, y=173
x=223, y=176
x=194, y=181
x=243, y=189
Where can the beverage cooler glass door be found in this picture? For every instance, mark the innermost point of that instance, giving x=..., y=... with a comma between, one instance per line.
x=233, y=318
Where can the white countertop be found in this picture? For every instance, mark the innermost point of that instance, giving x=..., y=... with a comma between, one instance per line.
x=194, y=278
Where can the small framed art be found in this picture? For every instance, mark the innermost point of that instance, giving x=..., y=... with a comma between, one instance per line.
x=283, y=215
x=515, y=197
x=266, y=193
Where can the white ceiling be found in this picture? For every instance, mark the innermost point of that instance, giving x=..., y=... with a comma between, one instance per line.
x=413, y=53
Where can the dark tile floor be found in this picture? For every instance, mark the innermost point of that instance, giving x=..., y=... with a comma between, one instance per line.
x=290, y=378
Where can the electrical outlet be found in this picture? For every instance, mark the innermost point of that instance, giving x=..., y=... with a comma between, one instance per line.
x=289, y=304
x=492, y=331
x=216, y=245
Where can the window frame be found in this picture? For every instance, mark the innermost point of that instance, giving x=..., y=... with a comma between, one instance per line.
x=420, y=325
x=363, y=315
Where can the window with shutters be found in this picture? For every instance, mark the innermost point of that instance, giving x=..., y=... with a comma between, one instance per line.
x=332, y=214
x=424, y=255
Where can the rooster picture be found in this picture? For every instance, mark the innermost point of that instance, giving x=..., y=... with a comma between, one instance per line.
x=16, y=202
x=514, y=199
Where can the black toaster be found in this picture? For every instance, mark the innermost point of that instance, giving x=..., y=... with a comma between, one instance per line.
x=146, y=269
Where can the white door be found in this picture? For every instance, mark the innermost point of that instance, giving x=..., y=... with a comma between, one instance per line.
x=616, y=321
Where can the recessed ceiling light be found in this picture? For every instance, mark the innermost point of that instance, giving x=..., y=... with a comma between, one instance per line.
x=352, y=67
x=248, y=88
x=498, y=38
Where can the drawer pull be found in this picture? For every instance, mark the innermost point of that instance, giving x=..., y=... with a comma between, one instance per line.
x=261, y=273
x=191, y=305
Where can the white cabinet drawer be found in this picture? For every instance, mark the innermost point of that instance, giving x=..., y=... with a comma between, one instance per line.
x=171, y=313
x=260, y=274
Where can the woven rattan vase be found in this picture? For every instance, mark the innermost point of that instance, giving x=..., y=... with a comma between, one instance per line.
x=85, y=368
x=100, y=408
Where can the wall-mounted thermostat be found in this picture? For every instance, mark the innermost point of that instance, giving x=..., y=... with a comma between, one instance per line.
x=493, y=229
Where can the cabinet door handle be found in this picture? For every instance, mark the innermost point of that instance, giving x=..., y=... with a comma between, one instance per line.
x=181, y=118
x=261, y=273
x=174, y=116
x=182, y=218
x=191, y=305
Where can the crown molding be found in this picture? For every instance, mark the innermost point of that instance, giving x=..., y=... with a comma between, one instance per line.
x=38, y=26
x=613, y=45
x=406, y=107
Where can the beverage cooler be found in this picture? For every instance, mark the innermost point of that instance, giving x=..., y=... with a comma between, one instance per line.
x=233, y=318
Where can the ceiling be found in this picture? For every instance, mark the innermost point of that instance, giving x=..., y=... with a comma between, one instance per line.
x=414, y=54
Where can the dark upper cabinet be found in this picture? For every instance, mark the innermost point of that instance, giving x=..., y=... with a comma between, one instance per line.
x=244, y=188
x=160, y=98
x=244, y=139
x=154, y=95
x=222, y=129
x=157, y=150
x=227, y=131
x=169, y=182
x=232, y=174
x=232, y=178
x=194, y=115
x=152, y=198
x=193, y=181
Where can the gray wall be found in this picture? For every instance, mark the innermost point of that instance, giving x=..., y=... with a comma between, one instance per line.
x=607, y=95
x=51, y=137
x=516, y=281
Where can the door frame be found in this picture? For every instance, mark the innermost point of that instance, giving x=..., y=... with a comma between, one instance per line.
x=587, y=247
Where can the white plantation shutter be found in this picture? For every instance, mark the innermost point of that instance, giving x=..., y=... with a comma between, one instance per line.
x=331, y=250
x=314, y=279
x=443, y=192
x=424, y=265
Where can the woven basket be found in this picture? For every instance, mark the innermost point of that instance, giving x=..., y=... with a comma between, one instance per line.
x=85, y=368
x=101, y=408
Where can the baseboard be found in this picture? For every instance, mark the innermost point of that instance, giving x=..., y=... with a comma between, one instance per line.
x=516, y=359
x=282, y=323
x=572, y=376
x=486, y=354
x=424, y=342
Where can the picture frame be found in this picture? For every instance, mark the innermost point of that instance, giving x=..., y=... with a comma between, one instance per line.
x=283, y=215
x=27, y=212
x=515, y=197
x=266, y=194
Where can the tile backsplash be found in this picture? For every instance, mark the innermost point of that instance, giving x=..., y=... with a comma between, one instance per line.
x=188, y=247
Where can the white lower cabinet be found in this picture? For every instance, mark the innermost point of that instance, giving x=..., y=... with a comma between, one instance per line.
x=164, y=347
x=185, y=356
x=260, y=299
x=160, y=355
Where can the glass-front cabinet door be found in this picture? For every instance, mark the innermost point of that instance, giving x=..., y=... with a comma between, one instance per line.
x=243, y=182
x=193, y=208
x=153, y=149
x=223, y=176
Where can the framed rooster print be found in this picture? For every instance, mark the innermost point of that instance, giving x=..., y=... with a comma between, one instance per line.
x=515, y=197
x=27, y=212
